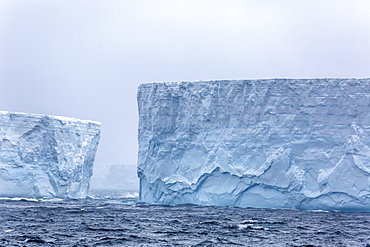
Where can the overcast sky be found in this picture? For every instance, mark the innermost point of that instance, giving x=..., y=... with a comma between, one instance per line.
x=85, y=59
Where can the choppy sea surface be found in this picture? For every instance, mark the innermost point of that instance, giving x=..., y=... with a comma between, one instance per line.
x=108, y=221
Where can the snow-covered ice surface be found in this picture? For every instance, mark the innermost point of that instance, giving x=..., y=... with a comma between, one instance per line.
x=271, y=143
x=44, y=156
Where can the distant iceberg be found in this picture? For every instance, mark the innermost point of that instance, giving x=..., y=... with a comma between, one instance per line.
x=114, y=180
x=45, y=156
x=271, y=143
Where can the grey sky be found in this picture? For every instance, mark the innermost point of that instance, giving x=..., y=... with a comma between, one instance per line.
x=85, y=59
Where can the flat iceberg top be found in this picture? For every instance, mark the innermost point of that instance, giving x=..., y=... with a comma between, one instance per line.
x=265, y=80
x=38, y=116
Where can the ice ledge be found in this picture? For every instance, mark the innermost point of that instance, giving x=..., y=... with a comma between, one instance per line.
x=225, y=189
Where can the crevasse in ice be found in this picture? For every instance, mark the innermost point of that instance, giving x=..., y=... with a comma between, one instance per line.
x=271, y=143
x=45, y=156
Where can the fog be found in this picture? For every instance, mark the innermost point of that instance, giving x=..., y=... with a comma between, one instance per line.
x=85, y=59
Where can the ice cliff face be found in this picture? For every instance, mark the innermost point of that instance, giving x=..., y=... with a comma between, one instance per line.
x=279, y=143
x=46, y=156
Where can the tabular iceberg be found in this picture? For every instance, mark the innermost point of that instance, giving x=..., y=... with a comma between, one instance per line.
x=114, y=179
x=271, y=143
x=45, y=156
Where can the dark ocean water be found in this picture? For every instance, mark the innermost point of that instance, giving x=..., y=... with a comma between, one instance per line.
x=124, y=222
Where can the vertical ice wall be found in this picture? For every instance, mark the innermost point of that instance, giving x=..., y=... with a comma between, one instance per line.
x=46, y=156
x=280, y=143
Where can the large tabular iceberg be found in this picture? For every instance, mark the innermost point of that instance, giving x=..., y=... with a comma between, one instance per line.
x=46, y=156
x=274, y=143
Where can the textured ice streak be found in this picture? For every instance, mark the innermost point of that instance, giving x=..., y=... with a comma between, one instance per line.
x=281, y=143
x=46, y=156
